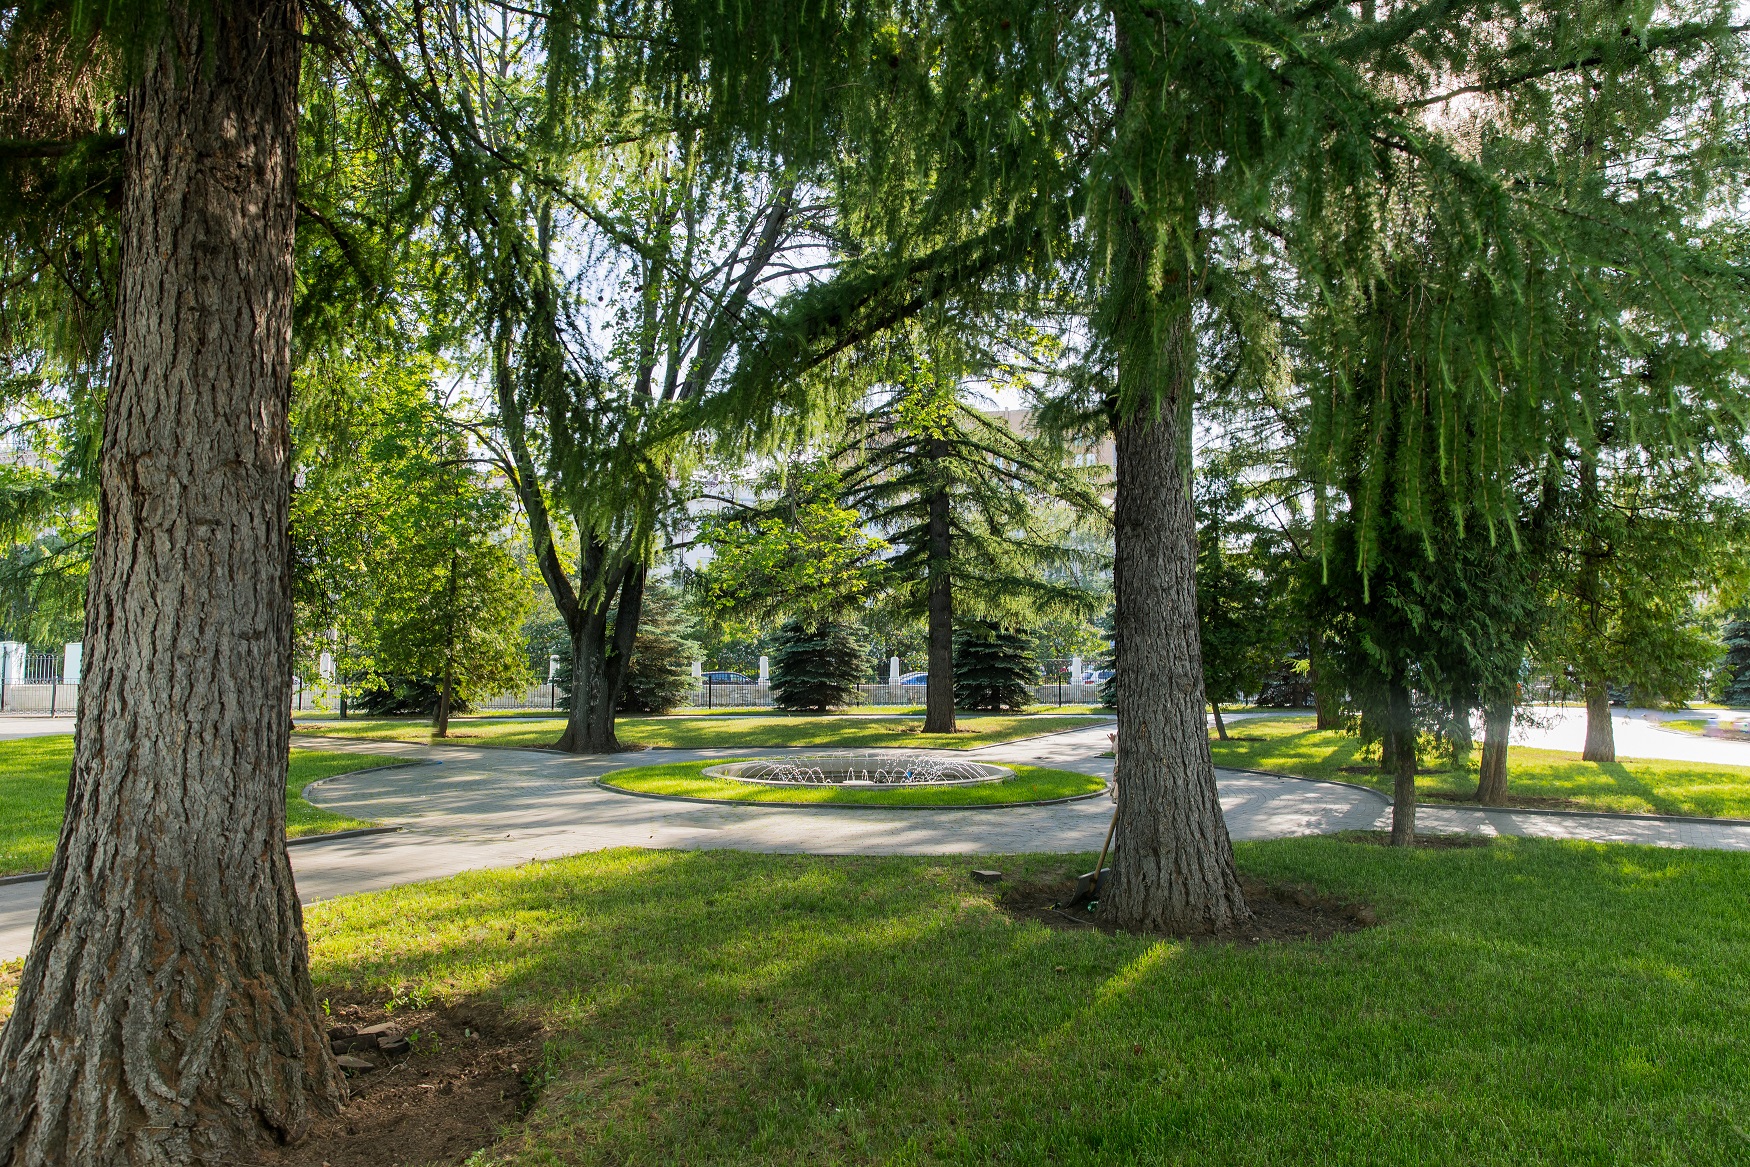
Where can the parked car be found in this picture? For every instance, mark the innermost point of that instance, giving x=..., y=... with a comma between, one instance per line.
x=915, y=679
x=1096, y=676
x=725, y=677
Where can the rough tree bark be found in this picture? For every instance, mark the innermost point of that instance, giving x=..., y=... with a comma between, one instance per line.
x=1492, y=777
x=1400, y=739
x=1220, y=726
x=1173, y=867
x=1600, y=733
x=165, y=1013
x=939, y=690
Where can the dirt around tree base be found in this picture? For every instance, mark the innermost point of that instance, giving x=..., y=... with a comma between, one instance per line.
x=466, y=1075
x=1279, y=912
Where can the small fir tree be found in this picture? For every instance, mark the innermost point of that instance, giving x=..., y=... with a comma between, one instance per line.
x=816, y=664
x=1737, y=663
x=659, y=676
x=994, y=668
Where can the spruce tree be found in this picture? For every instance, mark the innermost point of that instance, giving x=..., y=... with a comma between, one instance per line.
x=994, y=668
x=816, y=664
x=969, y=504
x=1737, y=663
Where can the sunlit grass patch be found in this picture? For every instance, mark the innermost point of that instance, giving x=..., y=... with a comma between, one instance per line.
x=1638, y=786
x=1529, y=1001
x=683, y=779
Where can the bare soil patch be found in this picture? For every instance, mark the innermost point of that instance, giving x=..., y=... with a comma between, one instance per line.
x=1279, y=912
x=466, y=1072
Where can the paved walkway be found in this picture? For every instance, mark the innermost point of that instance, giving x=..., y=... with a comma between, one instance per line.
x=463, y=808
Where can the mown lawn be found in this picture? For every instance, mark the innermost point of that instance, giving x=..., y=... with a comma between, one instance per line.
x=1685, y=725
x=33, y=795
x=707, y=731
x=1030, y=784
x=1548, y=777
x=1525, y=1002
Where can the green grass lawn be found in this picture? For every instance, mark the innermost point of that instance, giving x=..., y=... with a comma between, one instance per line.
x=1685, y=725
x=707, y=731
x=1525, y=1002
x=33, y=795
x=1030, y=784
x=1536, y=777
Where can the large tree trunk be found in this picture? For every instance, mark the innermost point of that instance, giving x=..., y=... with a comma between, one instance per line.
x=598, y=669
x=939, y=690
x=1173, y=868
x=1600, y=733
x=1492, y=777
x=165, y=1013
x=1400, y=738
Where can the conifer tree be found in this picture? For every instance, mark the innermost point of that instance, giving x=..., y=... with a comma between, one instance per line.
x=165, y=1013
x=968, y=504
x=817, y=664
x=994, y=668
x=1736, y=666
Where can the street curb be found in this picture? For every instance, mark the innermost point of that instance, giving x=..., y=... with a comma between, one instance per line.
x=306, y=840
x=26, y=877
x=304, y=790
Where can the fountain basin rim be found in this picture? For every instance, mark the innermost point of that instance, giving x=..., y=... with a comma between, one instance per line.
x=987, y=772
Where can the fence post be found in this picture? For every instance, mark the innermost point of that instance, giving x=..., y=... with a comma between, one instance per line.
x=54, y=684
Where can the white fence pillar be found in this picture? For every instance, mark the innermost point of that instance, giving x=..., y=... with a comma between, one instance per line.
x=765, y=670
x=893, y=670
x=73, y=663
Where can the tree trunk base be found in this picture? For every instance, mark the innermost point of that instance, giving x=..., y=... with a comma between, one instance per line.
x=1600, y=733
x=1492, y=775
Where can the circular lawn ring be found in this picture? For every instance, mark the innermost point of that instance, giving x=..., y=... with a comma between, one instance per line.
x=867, y=769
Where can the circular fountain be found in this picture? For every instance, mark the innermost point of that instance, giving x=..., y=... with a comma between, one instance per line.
x=883, y=768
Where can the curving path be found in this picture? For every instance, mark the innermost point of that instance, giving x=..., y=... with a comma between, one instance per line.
x=462, y=808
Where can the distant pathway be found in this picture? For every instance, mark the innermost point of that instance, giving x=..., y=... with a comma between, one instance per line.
x=477, y=807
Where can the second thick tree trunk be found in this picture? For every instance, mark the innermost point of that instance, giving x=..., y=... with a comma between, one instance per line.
x=1492, y=776
x=939, y=689
x=165, y=1013
x=1173, y=868
x=1600, y=733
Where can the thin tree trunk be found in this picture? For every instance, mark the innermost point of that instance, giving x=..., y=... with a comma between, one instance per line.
x=1220, y=726
x=1600, y=733
x=939, y=689
x=165, y=1013
x=1173, y=868
x=446, y=693
x=1401, y=737
x=445, y=696
x=1492, y=777
x=1327, y=706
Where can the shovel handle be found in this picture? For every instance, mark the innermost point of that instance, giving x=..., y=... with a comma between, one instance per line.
x=1101, y=865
